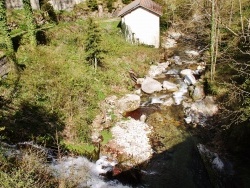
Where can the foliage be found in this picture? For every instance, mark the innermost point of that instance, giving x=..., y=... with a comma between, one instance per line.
x=57, y=92
x=107, y=135
x=109, y=4
x=48, y=9
x=28, y=171
x=92, y=44
x=85, y=149
x=30, y=22
x=5, y=40
x=126, y=1
x=92, y=4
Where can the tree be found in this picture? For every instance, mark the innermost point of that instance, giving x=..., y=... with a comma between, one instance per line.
x=30, y=22
x=92, y=44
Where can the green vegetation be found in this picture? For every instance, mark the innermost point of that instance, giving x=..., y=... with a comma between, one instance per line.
x=5, y=39
x=58, y=92
x=92, y=44
x=28, y=171
x=55, y=98
x=92, y=4
x=30, y=22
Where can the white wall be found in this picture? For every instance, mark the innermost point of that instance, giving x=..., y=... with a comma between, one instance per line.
x=144, y=26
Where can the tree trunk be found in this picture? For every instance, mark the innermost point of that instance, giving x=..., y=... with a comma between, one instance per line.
x=213, y=40
x=241, y=19
x=95, y=66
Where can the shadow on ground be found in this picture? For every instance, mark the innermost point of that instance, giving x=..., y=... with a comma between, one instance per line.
x=28, y=122
x=178, y=167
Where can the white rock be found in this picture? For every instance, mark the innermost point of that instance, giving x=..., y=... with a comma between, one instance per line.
x=168, y=102
x=156, y=70
x=190, y=79
x=170, y=43
x=143, y=118
x=177, y=60
x=138, y=92
x=155, y=100
x=188, y=119
x=173, y=72
x=151, y=85
x=178, y=95
x=192, y=53
x=128, y=103
x=174, y=35
x=169, y=86
x=140, y=80
x=185, y=72
x=132, y=137
x=217, y=163
x=198, y=92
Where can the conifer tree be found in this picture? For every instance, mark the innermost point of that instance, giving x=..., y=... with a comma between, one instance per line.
x=92, y=44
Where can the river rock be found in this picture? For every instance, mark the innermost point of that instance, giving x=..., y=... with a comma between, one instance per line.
x=172, y=72
x=201, y=110
x=190, y=79
x=200, y=69
x=169, y=86
x=130, y=142
x=192, y=53
x=168, y=102
x=198, y=92
x=174, y=35
x=140, y=80
x=128, y=103
x=178, y=95
x=156, y=70
x=150, y=85
x=185, y=72
x=170, y=43
x=177, y=60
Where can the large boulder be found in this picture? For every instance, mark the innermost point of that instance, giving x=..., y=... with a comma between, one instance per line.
x=150, y=85
x=130, y=143
x=128, y=103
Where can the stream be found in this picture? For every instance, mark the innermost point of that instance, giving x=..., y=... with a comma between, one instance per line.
x=168, y=109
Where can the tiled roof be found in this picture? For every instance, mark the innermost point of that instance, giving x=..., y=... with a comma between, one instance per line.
x=147, y=4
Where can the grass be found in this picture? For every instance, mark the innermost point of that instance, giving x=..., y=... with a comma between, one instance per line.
x=59, y=87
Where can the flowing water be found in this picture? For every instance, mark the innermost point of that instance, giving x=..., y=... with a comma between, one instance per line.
x=176, y=162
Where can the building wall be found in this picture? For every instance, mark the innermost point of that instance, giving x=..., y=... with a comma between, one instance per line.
x=142, y=26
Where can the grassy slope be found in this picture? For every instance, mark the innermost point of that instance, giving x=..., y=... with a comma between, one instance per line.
x=59, y=92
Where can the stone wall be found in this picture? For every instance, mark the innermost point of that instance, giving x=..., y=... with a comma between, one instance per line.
x=57, y=4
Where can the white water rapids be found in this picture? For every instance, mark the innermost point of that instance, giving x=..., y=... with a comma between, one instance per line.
x=85, y=173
